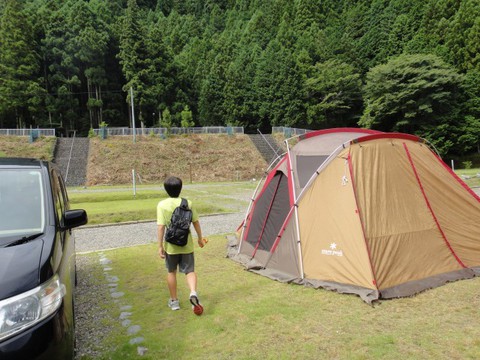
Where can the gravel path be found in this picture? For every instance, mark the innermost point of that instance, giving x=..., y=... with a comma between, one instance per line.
x=95, y=238
x=104, y=237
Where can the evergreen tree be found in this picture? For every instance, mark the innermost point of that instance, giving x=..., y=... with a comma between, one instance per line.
x=187, y=118
x=463, y=37
x=132, y=54
x=212, y=94
x=433, y=28
x=20, y=90
x=159, y=72
x=469, y=138
x=239, y=92
x=279, y=91
x=62, y=71
x=166, y=120
x=333, y=95
x=88, y=47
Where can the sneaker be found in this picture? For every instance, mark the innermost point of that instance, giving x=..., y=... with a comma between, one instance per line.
x=174, y=304
x=196, y=306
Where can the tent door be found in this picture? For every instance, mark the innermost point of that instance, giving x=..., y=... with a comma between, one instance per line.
x=269, y=214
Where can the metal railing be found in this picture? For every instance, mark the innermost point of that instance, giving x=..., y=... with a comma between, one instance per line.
x=125, y=131
x=27, y=132
x=268, y=143
x=70, y=157
x=289, y=132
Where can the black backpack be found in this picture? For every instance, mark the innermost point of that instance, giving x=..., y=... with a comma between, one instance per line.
x=179, y=228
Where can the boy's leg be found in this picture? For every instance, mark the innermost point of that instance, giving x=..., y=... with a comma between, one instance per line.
x=188, y=267
x=172, y=284
x=171, y=262
x=192, y=281
x=173, y=302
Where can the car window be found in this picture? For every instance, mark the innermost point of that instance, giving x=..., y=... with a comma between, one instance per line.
x=22, y=202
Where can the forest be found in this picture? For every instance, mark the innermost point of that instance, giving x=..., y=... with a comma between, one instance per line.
x=401, y=65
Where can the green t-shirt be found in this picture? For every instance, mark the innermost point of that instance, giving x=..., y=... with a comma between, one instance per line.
x=165, y=210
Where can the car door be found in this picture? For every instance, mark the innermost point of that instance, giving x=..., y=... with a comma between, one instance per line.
x=64, y=253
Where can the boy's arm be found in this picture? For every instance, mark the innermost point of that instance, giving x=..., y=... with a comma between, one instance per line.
x=160, y=232
x=198, y=230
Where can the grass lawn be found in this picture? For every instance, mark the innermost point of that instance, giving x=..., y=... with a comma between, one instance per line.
x=119, y=204
x=248, y=316
x=470, y=176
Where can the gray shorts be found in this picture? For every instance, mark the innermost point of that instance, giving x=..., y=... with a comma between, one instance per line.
x=184, y=262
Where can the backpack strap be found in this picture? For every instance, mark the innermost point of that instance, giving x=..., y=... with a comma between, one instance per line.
x=184, y=204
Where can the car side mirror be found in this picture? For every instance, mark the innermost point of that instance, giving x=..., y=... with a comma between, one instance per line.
x=74, y=218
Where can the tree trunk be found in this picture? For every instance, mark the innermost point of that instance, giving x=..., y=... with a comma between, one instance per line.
x=88, y=106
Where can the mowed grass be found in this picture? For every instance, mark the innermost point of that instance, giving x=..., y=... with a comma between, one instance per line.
x=248, y=316
x=470, y=176
x=121, y=204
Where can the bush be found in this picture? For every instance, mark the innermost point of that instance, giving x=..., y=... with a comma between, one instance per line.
x=471, y=160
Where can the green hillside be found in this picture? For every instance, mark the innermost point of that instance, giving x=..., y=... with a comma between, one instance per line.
x=402, y=65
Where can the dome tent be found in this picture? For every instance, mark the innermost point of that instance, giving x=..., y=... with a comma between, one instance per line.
x=359, y=211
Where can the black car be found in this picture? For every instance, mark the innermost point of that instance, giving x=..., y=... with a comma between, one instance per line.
x=37, y=261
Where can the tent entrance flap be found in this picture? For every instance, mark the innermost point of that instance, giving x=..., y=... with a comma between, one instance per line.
x=269, y=214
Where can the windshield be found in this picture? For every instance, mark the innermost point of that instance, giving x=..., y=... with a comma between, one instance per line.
x=22, y=210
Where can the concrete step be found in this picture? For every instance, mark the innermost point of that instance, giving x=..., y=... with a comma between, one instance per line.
x=267, y=146
x=71, y=156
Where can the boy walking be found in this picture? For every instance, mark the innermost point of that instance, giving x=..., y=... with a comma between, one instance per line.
x=178, y=257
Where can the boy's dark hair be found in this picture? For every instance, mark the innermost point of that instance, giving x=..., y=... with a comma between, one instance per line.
x=173, y=186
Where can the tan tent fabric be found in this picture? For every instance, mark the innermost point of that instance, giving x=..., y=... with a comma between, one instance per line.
x=318, y=148
x=331, y=234
x=456, y=209
x=377, y=214
x=403, y=237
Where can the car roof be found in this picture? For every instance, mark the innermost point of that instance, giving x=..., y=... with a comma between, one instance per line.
x=22, y=162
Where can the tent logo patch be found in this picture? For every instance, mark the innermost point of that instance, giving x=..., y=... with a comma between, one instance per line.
x=333, y=251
